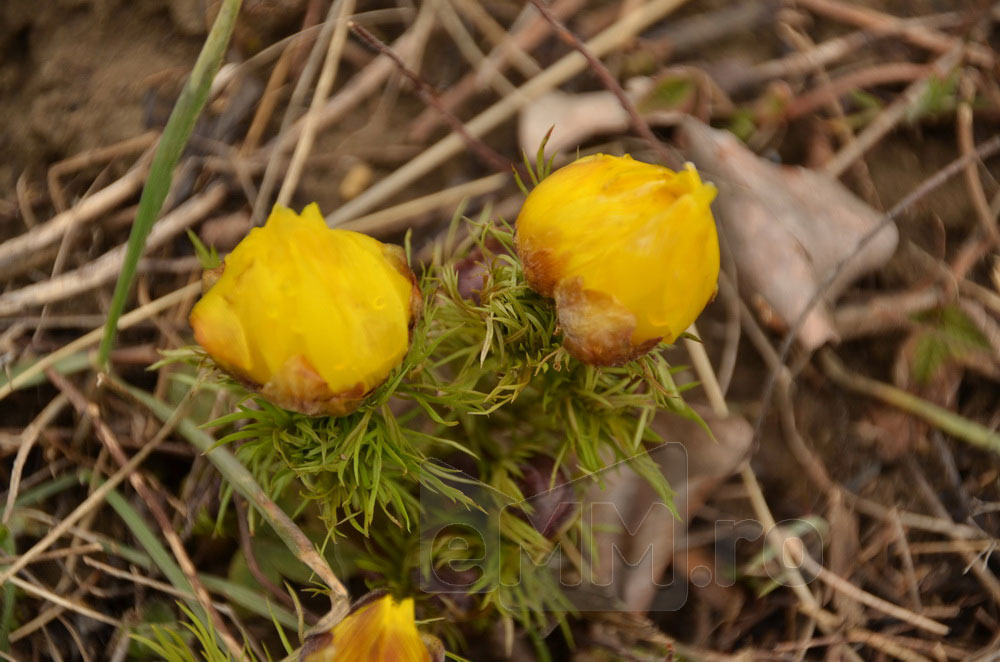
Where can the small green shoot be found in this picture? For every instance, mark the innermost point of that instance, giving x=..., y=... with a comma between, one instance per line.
x=541, y=168
x=207, y=257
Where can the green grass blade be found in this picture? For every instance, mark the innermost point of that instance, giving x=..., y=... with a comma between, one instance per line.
x=168, y=153
x=163, y=559
x=243, y=482
x=250, y=600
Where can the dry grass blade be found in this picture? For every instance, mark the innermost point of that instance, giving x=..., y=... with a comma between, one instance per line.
x=244, y=483
x=15, y=251
x=625, y=28
x=402, y=215
x=808, y=601
x=59, y=600
x=892, y=115
x=343, y=9
x=793, y=548
x=90, y=410
x=880, y=22
x=107, y=267
x=131, y=318
x=525, y=35
x=485, y=152
x=638, y=123
x=26, y=443
x=87, y=505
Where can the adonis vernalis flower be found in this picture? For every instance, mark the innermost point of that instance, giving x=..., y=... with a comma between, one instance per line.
x=381, y=631
x=313, y=318
x=627, y=249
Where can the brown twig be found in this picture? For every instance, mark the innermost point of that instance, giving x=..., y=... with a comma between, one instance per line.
x=795, y=550
x=276, y=163
x=885, y=645
x=892, y=114
x=979, y=568
x=952, y=547
x=498, y=35
x=496, y=160
x=88, y=409
x=59, y=600
x=105, y=155
x=639, y=124
x=268, y=101
x=55, y=611
x=25, y=201
x=524, y=39
x=92, y=157
x=89, y=548
x=105, y=268
x=292, y=50
x=327, y=76
x=408, y=215
x=903, y=548
x=963, y=121
x=94, y=336
x=880, y=74
x=58, y=529
x=25, y=444
x=939, y=525
x=883, y=23
x=467, y=47
x=17, y=250
x=566, y=67
x=734, y=329
x=360, y=87
x=840, y=127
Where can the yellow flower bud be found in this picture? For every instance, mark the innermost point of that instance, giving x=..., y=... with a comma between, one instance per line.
x=380, y=631
x=627, y=249
x=312, y=317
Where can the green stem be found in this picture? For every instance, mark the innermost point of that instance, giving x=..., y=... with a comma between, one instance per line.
x=157, y=552
x=946, y=421
x=168, y=152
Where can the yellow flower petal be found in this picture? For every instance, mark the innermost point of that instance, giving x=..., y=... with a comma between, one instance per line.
x=381, y=631
x=628, y=250
x=316, y=318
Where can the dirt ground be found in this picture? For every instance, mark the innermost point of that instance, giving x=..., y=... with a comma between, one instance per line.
x=885, y=432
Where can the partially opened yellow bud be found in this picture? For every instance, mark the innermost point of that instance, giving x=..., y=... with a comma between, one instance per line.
x=627, y=249
x=380, y=631
x=312, y=317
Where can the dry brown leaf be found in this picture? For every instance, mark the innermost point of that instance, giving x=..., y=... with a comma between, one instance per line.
x=787, y=227
x=574, y=118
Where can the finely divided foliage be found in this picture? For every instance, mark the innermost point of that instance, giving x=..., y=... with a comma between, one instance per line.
x=486, y=386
